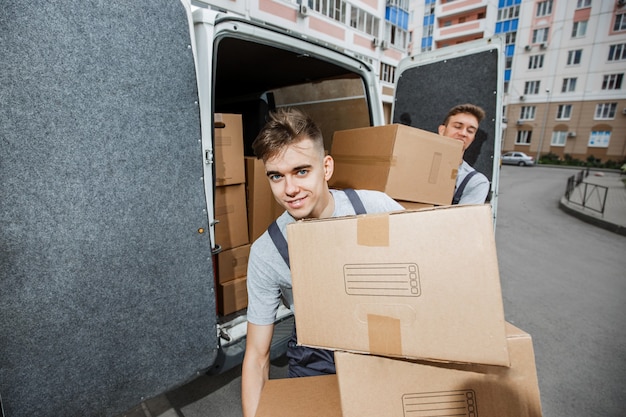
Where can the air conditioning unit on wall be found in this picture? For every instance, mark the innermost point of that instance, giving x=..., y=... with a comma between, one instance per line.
x=303, y=10
x=571, y=134
x=375, y=42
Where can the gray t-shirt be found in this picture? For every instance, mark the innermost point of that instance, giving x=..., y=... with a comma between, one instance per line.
x=476, y=189
x=269, y=277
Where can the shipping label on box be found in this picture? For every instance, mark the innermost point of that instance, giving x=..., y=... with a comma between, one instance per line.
x=416, y=284
x=405, y=162
x=373, y=386
x=229, y=163
x=233, y=263
x=230, y=212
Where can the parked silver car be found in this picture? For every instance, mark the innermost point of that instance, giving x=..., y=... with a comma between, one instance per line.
x=517, y=158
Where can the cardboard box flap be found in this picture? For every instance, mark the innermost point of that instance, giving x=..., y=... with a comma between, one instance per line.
x=416, y=284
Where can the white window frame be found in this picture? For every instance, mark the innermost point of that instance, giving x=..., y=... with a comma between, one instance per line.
x=564, y=112
x=558, y=138
x=532, y=87
x=527, y=112
x=535, y=61
x=579, y=29
x=599, y=139
x=574, y=57
x=523, y=137
x=617, y=52
x=544, y=8
x=620, y=22
x=583, y=4
x=569, y=85
x=363, y=21
x=612, y=82
x=508, y=13
x=605, y=111
x=541, y=35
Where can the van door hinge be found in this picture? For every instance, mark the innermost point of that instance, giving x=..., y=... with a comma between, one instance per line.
x=208, y=156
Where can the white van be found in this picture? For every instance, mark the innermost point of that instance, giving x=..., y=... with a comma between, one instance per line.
x=107, y=220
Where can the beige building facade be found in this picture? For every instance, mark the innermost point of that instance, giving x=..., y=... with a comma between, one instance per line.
x=567, y=95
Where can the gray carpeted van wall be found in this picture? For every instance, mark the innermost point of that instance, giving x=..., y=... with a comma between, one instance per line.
x=106, y=285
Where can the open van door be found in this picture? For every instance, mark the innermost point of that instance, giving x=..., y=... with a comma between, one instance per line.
x=431, y=83
x=106, y=280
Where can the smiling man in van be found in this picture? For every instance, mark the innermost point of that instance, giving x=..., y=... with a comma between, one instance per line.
x=461, y=123
x=292, y=149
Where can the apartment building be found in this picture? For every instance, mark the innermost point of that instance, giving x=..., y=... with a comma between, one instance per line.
x=376, y=31
x=566, y=95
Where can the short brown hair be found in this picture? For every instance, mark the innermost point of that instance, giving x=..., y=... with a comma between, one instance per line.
x=472, y=109
x=284, y=127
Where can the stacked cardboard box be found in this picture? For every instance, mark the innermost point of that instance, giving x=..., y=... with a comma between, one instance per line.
x=411, y=303
x=244, y=208
x=231, y=230
x=409, y=164
x=262, y=207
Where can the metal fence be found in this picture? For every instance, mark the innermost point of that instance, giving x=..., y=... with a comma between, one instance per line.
x=588, y=196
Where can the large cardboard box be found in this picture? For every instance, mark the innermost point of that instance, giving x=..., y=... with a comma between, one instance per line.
x=314, y=396
x=262, y=206
x=233, y=263
x=229, y=164
x=232, y=296
x=377, y=386
x=230, y=212
x=415, y=284
x=405, y=162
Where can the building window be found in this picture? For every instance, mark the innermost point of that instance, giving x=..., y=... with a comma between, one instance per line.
x=583, y=3
x=569, y=85
x=558, y=138
x=532, y=87
x=535, y=61
x=397, y=36
x=540, y=35
x=605, y=111
x=508, y=63
x=617, y=52
x=573, y=57
x=335, y=9
x=599, y=139
x=363, y=21
x=620, y=22
x=527, y=113
x=612, y=82
x=544, y=8
x=508, y=13
x=523, y=137
x=509, y=38
x=387, y=73
x=564, y=112
x=579, y=29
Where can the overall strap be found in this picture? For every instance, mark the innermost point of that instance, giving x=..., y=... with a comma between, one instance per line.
x=357, y=204
x=279, y=239
x=459, y=191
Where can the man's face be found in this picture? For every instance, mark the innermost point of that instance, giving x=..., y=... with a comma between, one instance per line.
x=461, y=126
x=298, y=177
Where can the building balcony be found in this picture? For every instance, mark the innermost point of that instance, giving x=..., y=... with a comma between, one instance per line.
x=459, y=7
x=460, y=30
